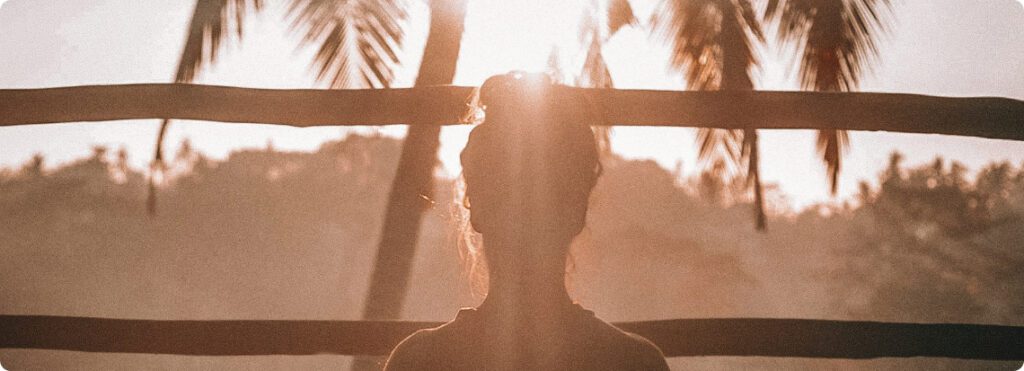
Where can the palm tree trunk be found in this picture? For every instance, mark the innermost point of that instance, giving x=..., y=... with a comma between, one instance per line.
x=413, y=183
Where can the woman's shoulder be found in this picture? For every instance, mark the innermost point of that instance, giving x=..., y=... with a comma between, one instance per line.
x=649, y=355
x=596, y=344
x=422, y=347
x=413, y=351
x=634, y=349
x=640, y=352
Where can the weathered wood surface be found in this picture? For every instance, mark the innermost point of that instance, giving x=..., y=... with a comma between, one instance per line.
x=677, y=338
x=987, y=117
x=300, y=108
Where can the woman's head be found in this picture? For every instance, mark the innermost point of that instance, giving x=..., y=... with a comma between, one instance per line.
x=530, y=166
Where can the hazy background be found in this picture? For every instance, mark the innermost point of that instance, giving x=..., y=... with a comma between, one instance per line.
x=249, y=228
x=266, y=234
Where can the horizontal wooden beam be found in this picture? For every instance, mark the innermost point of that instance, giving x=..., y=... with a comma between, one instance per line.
x=677, y=338
x=987, y=117
x=300, y=108
x=999, y=118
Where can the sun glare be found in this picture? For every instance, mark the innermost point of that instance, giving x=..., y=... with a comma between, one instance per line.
x=503, y=36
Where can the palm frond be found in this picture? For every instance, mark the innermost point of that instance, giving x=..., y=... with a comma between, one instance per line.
x=830, y=145
x=620, y=14
x=711, y=40
x=595, y=73
x=700, y=31
x=554, y=66
x=715, y=145
x=596, y=28
x=358, y=39
x=837, y=42
x=712, y=43
x=212, y=23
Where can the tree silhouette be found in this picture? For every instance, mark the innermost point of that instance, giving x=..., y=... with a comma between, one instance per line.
x=599, y=24
x=936, y=246
x=357, y=41
x=836, y=41
x=714, y=43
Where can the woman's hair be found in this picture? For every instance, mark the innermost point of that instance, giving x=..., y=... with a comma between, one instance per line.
x=533, y=153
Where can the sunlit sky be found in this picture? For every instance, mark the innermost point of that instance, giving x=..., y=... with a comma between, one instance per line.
x=939, y=47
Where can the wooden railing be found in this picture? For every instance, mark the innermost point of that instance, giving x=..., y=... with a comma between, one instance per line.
x=998, y=118
x=677, y=338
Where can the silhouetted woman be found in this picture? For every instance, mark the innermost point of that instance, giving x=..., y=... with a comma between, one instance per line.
x=529, y=169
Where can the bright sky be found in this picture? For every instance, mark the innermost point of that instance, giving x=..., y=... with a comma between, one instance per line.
x=940, y=47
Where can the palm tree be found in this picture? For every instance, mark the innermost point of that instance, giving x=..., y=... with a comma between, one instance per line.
x=358, y=41
x=212, y=22
x=836, y=42
x=713, y=44
x=413, y=185
x=597, y=27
